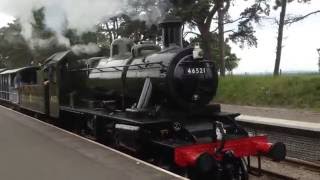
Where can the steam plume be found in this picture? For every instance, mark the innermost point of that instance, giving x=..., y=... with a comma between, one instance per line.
x=81, y=15
x=90, y=48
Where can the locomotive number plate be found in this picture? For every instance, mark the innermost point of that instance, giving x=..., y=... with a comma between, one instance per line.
x=196, y=70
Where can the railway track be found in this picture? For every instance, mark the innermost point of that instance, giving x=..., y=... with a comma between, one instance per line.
x=267, y=175
x=289, y=169
x=303, y=152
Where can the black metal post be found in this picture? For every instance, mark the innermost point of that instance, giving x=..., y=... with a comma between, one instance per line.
x=259, y=165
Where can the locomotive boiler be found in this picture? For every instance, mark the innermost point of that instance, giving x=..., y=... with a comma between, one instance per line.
x=148, y=76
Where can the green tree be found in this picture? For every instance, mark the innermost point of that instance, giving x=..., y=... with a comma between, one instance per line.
x=138, y=30
x=43, y=42
x=199, y=14
x=282, y=22
x=231, y=60
x=14, y=51
x=202, y=15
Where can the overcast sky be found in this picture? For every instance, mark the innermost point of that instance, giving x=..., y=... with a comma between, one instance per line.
x=299, y=46
x=300, y=42
x=4, y=19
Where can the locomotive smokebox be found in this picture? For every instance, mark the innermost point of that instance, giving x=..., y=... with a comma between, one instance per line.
x=171, y=31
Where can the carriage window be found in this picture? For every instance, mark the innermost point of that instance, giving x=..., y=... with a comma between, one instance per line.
x=29, y=77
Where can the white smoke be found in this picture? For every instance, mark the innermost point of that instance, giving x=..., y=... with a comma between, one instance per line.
x=23, y=11
x=81, y=15
x=153, y=12
x=90, y=48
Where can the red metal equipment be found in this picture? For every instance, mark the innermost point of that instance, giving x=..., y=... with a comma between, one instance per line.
x=187, y=156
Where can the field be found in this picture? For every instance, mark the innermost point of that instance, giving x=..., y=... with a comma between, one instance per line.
x=290, y=91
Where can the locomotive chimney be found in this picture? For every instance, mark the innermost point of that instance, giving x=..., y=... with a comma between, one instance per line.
x=171, y=31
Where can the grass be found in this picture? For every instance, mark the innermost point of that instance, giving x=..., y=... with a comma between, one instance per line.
x=290, y=91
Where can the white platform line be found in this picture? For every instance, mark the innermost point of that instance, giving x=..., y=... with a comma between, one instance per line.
x=308, y=126
x=101, y=145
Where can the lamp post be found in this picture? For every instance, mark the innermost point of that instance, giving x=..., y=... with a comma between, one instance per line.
x=318, y=50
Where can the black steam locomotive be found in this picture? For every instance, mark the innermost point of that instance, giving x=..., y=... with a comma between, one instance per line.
x=150, y=100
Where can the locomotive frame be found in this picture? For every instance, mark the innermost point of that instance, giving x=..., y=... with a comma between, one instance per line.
x=196, y=138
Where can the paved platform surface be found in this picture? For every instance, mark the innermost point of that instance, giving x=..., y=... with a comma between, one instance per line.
x=307, y=126
x=32, y=150
x=277, y=113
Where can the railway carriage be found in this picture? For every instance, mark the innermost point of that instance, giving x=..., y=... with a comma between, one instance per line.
x=150, y=100
x=13, y=79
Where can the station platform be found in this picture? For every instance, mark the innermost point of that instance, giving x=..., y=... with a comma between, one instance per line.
x=298, y=129
x=287, y=118
x=31, y=149
x=276, y=113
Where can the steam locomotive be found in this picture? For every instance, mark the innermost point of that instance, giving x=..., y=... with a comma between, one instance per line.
x=149, y=100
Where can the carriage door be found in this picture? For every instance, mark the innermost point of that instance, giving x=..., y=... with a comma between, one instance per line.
x=54, y=106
